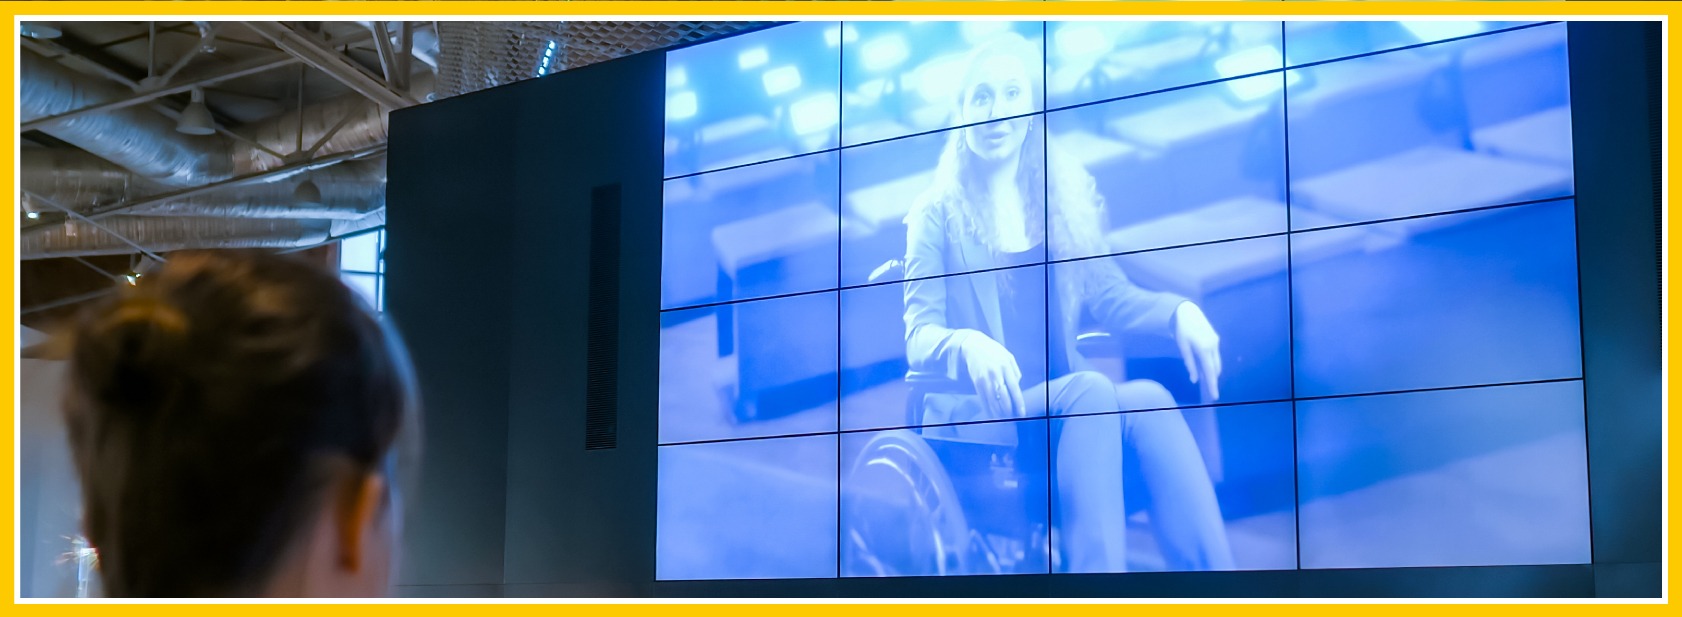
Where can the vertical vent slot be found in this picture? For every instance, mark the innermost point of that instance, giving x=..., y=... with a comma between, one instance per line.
x=601, y=389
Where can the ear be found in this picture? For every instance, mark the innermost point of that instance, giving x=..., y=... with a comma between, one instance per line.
x=357, y=518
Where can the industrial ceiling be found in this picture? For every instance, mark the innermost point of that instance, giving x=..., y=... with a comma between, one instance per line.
x=139, y=138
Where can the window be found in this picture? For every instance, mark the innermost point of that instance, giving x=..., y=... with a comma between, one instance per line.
x=362, y=265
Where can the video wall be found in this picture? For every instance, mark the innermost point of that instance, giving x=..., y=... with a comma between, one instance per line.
x=991, y=297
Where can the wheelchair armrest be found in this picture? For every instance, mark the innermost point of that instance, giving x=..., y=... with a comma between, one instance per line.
x=928, y=382
x=1097, y=344
x=1103, y=344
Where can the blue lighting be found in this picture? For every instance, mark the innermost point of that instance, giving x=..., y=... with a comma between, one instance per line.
x=885, y=52
x=682, y=106
x=752, y=58
x=781, y=79
x=547, y=60
x=814, y=113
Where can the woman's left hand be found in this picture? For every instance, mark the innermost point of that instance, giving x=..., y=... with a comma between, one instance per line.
x=1200, y=347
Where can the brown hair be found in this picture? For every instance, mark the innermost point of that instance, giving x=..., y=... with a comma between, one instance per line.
x=207, y=405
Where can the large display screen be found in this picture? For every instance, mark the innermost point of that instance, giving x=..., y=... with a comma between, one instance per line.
x=993, y=297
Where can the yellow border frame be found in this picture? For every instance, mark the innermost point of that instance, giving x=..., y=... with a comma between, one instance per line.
x=737, y=10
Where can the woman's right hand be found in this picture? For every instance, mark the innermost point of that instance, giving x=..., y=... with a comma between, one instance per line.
x=997, y=378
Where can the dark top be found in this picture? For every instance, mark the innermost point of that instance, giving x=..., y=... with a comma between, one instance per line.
x=1022, y=305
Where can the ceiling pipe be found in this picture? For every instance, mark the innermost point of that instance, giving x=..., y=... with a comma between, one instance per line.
x=353, y=199
x=260, y=65
x=264, y=176
x=53, y=51
x=137, y=139
x=77, y=220
x=80, y=238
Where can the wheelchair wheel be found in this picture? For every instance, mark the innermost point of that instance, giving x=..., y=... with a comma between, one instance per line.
x=900, y=511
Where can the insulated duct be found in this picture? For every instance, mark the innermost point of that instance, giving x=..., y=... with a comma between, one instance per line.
x=136, y=138
x=76, y=237
x=349, y=190
x=345, y=227
x=75, y=178
x=360, y=124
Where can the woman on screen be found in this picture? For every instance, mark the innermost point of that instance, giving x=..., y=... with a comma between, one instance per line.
x=986, y=211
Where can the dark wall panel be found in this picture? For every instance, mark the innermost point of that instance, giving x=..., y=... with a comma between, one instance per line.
x=1485, y=582
x=583, y=519
x=1628, y=580
x=448, y=281
x=1613, y=77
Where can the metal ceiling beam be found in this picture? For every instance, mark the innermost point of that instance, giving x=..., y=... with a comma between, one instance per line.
x=316, y=54
x=47, y=306
x=382, y=47
x=141, y=35
x=54, y=51
x=405, y=52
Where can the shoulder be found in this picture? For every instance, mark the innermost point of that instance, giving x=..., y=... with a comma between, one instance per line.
x=931, y=207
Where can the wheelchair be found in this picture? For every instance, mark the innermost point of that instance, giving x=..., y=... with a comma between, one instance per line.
x=965, y=499
x=971, y=499
x=904, y=513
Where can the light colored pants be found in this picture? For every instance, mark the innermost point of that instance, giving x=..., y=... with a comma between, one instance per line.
x=1184, y=515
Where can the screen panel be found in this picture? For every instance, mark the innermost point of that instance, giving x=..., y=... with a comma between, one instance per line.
x=1464, y=124
x=906, y=349
x=1097, y=60
x=764, y=230
x=902, y=78
x=1471, y=477
x=1173, y=490
x=758, y=96
x=750, y=369
x=1449, y=300
x=759, y=508
x=1320, y=41
x=1127, y=315
x=900, y=198
x=945, y=501
x=1194, y=165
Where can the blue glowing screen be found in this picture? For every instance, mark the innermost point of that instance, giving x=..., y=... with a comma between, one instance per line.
x=966, y=298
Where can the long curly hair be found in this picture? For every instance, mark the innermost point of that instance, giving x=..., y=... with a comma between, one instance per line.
x=1076, y=220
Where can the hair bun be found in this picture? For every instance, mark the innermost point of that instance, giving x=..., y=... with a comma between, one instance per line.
x=132, y=355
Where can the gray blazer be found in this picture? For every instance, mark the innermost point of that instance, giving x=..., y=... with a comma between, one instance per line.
x=942, y=313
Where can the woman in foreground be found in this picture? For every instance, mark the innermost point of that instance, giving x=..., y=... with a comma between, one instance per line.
x=234, y=419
